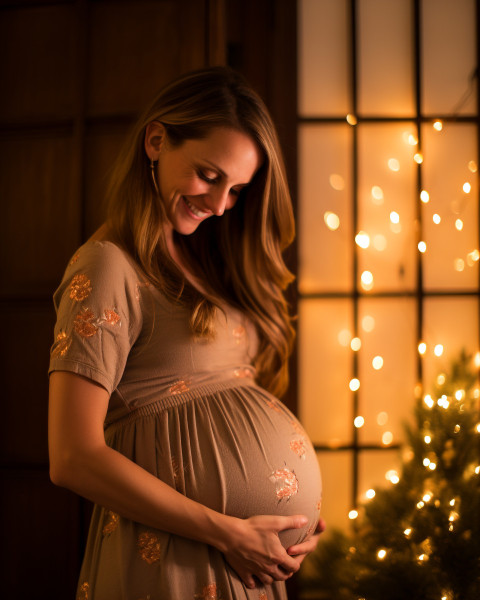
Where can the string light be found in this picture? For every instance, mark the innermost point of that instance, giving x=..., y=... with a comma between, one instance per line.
x=337, y=182
x=377, y=195
x=427, y=439
x=387, y=438
x=467, y=188
x=394, y=217
x=407, y=532
x=380, y=242
x=382, y=418
x=353, y=514
x=393, y=164
x=437, y=219
x=344, y=337
x=472, y=166
x=362, y=239
x=418, y=158
x=332, y=221
x=377, y=363
x=422, y=246
x=438, y=126
x=424, y=196
x=356, y=344
x=370, y=493
x=440, y=379
x=438, y=350
x=459, y=394
x=351, y=119
x=366, y=280
x=354, y=384
x=359, y=422
x=459, y=224
x=459, y=264
x=422, y=347
x=392, y=476
x=368, y=324
x=381, y=554
x=429, y=401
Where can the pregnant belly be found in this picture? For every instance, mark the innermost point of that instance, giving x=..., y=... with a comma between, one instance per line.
x=248, y=455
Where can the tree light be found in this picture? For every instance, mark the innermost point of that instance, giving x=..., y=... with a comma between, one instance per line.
x=394, y=217
x=368, y=324
x=429, y=401
x=424, y=196
x=377, y=194
x=472, y=166
x=437, y=219
x=459, y=224
x=393, y=164
x=359, y=422
x=422, y=246
x=427, y=439
x=366, y=280
x=370, y=493
x=438, y=350
x=438, y=126
x=351, y=119
x=377, y=363
x=337, y=182
x=422, y=347
x=382, y=418
x=356, y=344
x=387, y=438
x=362, y=239
x=381, y=554
x=418, y=158
x=354, y=384
x=344, y=337
x=467, y=188
x=353, y=514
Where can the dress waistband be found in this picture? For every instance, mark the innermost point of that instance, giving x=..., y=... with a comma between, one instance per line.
x=182, y=396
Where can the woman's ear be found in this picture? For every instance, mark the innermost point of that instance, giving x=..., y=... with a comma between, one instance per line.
x=154, y=139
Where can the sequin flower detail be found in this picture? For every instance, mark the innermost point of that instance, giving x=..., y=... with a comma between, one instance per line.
x=111, y=317
x=84, y=323
x=111, y=522
x=179, y=387
x=209, y=592
x=61, y=345
x=83, y=591
x=239, y=333
x=298, y=446
x=80, y=288
x=149, y=547
x=286, y=483
x=263, y=596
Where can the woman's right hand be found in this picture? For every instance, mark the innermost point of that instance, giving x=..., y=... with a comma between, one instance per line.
x=255, y=549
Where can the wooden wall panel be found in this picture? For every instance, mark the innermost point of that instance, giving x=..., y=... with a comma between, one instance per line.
x=136, y=49
x=102, y=144
x=40, y=203
x=38, y=63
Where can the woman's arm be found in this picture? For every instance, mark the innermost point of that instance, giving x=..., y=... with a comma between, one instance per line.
x=81, y=461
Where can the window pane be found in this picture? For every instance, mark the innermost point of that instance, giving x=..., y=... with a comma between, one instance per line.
x=387, y=184
x=387, y=367
x=449, y=56
x=385, y=83
x=325, y=369
x=336, y=468
x=373, y=468
x=453, y=324
x=450, y=261
x=324, y=49
x=325, y=255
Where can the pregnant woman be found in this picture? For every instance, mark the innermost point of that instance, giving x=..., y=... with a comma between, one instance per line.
x=170, y=350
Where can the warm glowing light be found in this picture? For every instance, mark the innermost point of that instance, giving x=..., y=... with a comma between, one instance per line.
x=423, y=557
x=477, y=470
x=438, y=126
x=427, y=497
x=426, y=462
x=368, y=324
x=472, y=165
x=459, y=224
x=367, y=280
x=377, y=363
x=418, y=158
x=422, y=246
x=467, y=188
x=344, y=337
x=382, y=418
x=337, y=182
x=370, y=493
x=459, y=264
x=457, y=428
x=437, y=219
x=407, y=531
x=377, y=194
x=353, y=514
x=396, y=227
x=422, y=347
x=362, y=239
x=394, y=217
x=472, y=257
x=412, y=140
x=392, y=474
x=354, y=384
x=424, y=196
x=432, y=466
x=420, y=504
x=427, y=439
x=459, y=394
x=356, y=344
x=393, y=164
x=429, y=401
x=477, y=428
x=380, y=242
x=332, y=220
x=438, y=350
x=443, y=402
x=381, y=554
x=476, y=360
x=387, y=438
x=359, y=422
x=351, y=119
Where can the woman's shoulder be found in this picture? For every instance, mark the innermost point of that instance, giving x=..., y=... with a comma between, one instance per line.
x=105, y=258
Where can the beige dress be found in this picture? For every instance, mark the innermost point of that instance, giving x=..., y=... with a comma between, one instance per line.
x=187, y=411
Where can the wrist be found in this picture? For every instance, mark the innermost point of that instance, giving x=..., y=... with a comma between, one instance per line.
x=223, y=530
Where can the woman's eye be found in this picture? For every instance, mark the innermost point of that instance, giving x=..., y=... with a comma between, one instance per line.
x=206, y=178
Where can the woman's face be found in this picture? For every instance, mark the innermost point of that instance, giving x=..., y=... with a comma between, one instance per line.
x=203, y=178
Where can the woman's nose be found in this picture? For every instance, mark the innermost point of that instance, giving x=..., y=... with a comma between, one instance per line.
x=218, y=201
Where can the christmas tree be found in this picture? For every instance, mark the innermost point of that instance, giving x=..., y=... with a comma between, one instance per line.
x=419, y=539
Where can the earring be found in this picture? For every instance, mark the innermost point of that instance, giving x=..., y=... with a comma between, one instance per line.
x=153, y=166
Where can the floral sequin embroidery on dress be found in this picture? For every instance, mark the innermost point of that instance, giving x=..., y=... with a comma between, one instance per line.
x=111, y=522
x=87, y=325
x=61, y=345
x=286, y=483
x=263, y=596
x=243, y=373
x=209, y=592
x=239, y=334
x=179, y=387
x=80, y=288
x=298, y=446
x=149, y=547
x=74, y=259
x=84, y=591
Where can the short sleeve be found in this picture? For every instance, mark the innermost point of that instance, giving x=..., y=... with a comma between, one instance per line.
x=99, y=314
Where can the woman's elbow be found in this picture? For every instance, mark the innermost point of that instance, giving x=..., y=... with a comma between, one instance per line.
x=62, y=470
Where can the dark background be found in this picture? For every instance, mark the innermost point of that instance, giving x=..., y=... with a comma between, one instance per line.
x=73, y=76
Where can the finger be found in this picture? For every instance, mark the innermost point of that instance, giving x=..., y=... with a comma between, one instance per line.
x=265, y=579
x=289, y=565
x=304, y=547
x=321, y=526
x=293, y=522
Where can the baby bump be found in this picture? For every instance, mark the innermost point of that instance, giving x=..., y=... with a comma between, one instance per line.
x=244, y=454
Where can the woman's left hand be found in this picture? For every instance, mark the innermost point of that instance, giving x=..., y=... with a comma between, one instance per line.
x=300, y=551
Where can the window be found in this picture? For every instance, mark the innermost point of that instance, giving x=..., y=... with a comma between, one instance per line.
x=388, y=223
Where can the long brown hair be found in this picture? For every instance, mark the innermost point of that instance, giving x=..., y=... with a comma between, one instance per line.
x=239, y=254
